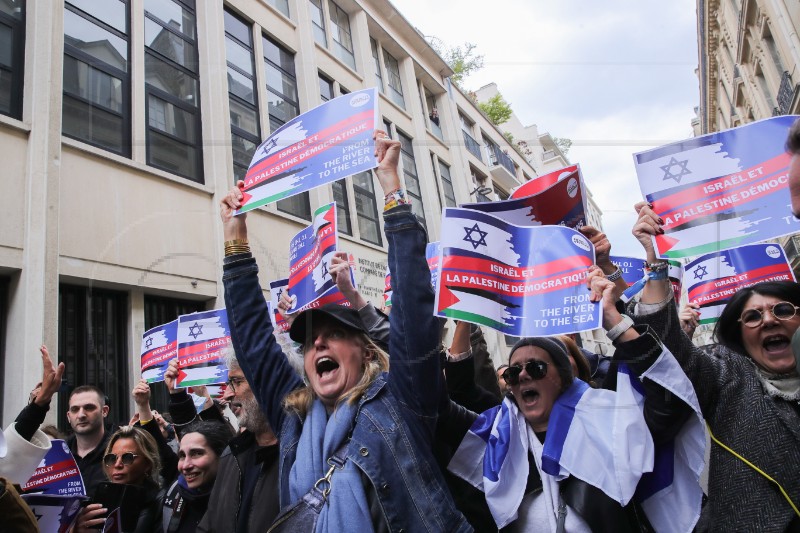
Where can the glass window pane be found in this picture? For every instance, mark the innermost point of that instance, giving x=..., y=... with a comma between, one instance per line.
x=5, y=91
x=281, y=83
x=364, y=181
x=172, y=15
x=93, y=125
x=316, y=13
x=95, y=41
x=298, y=205
x=325, y=89
x=91, y=84
x=12, y=8
x=175, y=82
x=369, y=230
x=112, y=12
x=342, y=206
x=169, y=45
x=170, y=119
x=238, y=28
x=173, y=156
x=241, y=86
x=278, y=56
x=280, y=5
x=6, y=47
x=244, y=117
x=238, y=55
x=243, y=150
x=280, y=108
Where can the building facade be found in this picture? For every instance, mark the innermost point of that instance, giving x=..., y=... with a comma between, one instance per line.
x=123, y=123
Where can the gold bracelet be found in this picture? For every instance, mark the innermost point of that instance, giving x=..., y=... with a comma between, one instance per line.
x=234, y=242
x=236, y=249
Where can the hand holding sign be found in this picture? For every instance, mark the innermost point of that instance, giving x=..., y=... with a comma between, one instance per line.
x=388, y=153
x=233, y=227
x=647, y=226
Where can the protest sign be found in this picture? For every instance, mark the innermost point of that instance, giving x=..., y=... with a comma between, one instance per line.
x=521, y=281
x=54, y=514
x=633, y=270
x=57, y=473
x=159, y=347
x=201, y=339
x=562, y=204
x=720, y=190
x=310, y=254
x=675, y=275
x=387, y=288
x=433, y=252
x=323, y=145
x=714, y=278
x=545, y=181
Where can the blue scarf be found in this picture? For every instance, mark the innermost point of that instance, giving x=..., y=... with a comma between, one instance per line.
x=347, y=508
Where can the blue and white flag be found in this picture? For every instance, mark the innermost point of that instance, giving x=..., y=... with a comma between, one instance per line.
x=521, y=281
x=201, y=338
x=310, y=255
x=58, y=473
x=714, y=278
x=721, y=190
x=323, y=145
x=159, y=347
x=54, y=514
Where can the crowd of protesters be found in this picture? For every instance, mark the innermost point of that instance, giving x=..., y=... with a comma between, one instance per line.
x=381, y=428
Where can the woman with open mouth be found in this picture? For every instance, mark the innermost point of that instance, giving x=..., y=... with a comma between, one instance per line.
x=356, y=440
x=749, y=393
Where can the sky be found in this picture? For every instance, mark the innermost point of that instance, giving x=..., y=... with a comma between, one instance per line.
x=615, y=77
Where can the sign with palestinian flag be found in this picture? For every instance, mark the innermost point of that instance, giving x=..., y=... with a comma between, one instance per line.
x=201, y=338
x=562, y=203
x=545, y=181
x=323, y=145
x=721, y=190
x=521, y=281
x=159, y=347
x=714, y=278
x=57, y=473
x=310, y=254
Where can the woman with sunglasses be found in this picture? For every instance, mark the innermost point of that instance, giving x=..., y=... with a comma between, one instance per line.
x=131, y=459
x=749, y=393
x=504, y=452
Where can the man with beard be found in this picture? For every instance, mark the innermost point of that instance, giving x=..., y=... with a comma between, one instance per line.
x=86, y=415
x=245, y=493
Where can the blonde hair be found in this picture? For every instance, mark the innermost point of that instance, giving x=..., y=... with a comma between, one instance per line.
x=376, y=361
x=148, y=449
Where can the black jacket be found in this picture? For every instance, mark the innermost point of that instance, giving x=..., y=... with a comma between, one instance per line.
x=91, y=465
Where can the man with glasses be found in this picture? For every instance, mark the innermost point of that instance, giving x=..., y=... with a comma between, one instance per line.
x=86, y=415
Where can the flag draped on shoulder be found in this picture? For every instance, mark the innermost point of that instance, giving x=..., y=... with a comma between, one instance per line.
x=521, y=281
x=201, y=338
x=714, y=278
x=720, y=190
x=323, y=145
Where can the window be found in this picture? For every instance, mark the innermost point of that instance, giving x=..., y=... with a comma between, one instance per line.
x=376, y=58
x=96, y=108
x=242, y=93
x=342, y=206
x=283, y=107
x=342, y=37
x=172, y=88
x=159, y=311
x=411, y=177
x=280, y=5
x=12, y=56
x=92, y=342
x=366, y=208
x=325, y=88
x=433, y=114
x=395, y=86
x=318, y=22
x=447, y=185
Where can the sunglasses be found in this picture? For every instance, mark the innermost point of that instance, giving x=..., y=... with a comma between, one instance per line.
x=535, y=368
x=110, y=459
x=752, y=318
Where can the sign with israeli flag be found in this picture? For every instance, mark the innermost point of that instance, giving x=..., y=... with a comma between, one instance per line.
x=276, y=290
x=545, y=181
x=712, y=279
x=721, y=190
x=201, y=338
x=159, y=347
x=55, y=514
x=310, y=255
x=323, y=145
x=561, y=204
x=433, y=252
x=521, y=281
x=57, y=473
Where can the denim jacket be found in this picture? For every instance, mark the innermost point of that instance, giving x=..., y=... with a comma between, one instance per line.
x=394, y=431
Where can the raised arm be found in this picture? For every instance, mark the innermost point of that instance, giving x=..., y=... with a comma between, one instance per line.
x=261, y=358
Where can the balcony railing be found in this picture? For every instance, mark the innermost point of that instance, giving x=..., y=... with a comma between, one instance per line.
x=498, y=157
x=472, y=145
x=785, y=94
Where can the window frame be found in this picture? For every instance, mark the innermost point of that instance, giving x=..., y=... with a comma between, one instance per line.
x=407, y=141
x=17, y=67
x=374, y=216
x=339, y=47
x=397, y=96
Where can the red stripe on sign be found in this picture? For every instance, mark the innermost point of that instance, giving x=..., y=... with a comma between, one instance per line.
x=455, y=279
x=745, y=279
x=201, y=347
x=302, y=150
x=511, y=273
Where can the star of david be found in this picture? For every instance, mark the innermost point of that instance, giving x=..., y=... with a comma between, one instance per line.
x=148, y=343
x=682, y=170
x=475, y=242
x=272, y=143
x=195, y=330
x=280, y=293
x=323, y=268
x=700, y=272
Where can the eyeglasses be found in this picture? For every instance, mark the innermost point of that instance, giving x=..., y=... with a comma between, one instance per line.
x=752, y=318
x=535, y=368
x=235, y=382
x=110, y=459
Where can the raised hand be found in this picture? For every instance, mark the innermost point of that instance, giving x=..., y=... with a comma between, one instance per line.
x=51, y=379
